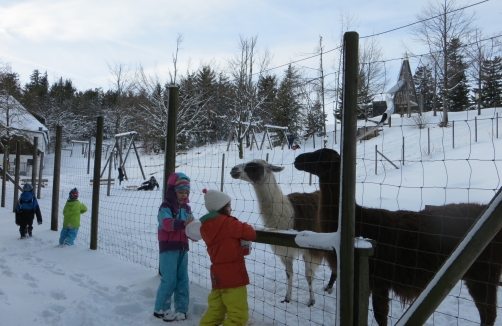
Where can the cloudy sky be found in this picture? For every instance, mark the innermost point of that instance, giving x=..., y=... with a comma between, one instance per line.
x=79, y=39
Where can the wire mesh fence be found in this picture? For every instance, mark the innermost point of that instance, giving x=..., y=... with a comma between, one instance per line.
x=467, y=171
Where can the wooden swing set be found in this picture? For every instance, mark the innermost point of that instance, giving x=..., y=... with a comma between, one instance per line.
x=117, y=149
x=252, y=131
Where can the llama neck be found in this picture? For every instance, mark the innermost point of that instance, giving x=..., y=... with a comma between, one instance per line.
x=276, y=210
x=329, y=203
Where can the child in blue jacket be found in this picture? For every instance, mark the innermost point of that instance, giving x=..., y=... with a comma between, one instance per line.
x=26, y=209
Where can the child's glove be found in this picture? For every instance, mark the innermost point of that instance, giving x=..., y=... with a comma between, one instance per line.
x=39, y=222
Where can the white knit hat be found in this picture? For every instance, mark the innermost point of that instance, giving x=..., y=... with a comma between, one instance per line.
x=215, y=200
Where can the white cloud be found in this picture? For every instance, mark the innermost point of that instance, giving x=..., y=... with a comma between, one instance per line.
x=84, y=20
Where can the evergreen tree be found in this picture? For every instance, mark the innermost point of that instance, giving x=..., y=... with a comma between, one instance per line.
x=62, y=94
x=424, y=85
x=9, y=84
x=205, y=81
x=88, y=105
x=222, y=101
x=314, y=120
x=287, y=111
x=36, y=93
x=458, y=89
x=190, y=100
x=491, y=83
x=267, y=90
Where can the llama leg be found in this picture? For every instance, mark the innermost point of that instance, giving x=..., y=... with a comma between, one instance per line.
x=333, y=264
x=312, y=261
x=288, y=263
x=380, y=298
x=485, y=298
x=329, y=288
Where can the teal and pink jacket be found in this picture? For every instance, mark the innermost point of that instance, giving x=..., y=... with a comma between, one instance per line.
x=171, y=217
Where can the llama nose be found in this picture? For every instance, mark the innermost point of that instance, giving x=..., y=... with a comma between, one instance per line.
x=235, y=173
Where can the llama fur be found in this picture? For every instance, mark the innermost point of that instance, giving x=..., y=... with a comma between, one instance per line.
x=296, y=211
x=411, y=246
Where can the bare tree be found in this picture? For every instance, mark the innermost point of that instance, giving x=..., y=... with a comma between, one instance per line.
x=440, y=23
x=11, y=112
x=347, y=22
x=372, y=79
x=246, y=103
x=153, y=101
x=478, y=52
x=123, y=84
x=179, y=41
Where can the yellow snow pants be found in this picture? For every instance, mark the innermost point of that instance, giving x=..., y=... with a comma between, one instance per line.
x=230, y=302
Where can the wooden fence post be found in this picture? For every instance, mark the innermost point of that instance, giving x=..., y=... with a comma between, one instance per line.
x=222, y=171
x=96, y=184
x=4, y=173
x=171, y=132
x=376, y=158
x=428, y=141
x=34, y=166
x=16, y=174
x=475, y=129
x=56, y=179
x=362, y=284
x=345, y=288
x=40, y=170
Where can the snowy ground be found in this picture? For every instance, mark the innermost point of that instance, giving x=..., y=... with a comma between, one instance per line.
x=42, y=284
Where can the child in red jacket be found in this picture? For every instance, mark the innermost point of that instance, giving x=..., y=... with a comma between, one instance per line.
x=222, y=234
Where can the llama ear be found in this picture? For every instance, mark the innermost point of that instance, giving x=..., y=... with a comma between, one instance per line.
x=275, y=168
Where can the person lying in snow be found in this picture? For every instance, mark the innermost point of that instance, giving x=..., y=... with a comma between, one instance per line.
x=149, y=184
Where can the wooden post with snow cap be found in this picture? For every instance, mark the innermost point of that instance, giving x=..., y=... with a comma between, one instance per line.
x=364, y=249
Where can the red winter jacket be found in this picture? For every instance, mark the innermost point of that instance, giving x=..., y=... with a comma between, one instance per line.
x=222, y=234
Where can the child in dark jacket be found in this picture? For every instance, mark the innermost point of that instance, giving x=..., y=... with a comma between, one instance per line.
x=149, y=184
x=71, y=223
x=174, y=215
x=26, y=209
x=222, y=234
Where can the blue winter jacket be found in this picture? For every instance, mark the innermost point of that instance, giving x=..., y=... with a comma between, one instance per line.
x=27, y=207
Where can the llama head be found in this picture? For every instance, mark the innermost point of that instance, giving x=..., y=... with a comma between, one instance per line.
x=321, y=162
x=254, y=172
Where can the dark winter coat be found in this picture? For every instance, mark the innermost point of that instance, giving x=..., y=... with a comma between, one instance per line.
x=27, y=207
x=121, y=174
x=150, y=184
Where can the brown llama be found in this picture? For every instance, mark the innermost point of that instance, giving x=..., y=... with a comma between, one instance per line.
x=411, y=246
x=296, y=211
